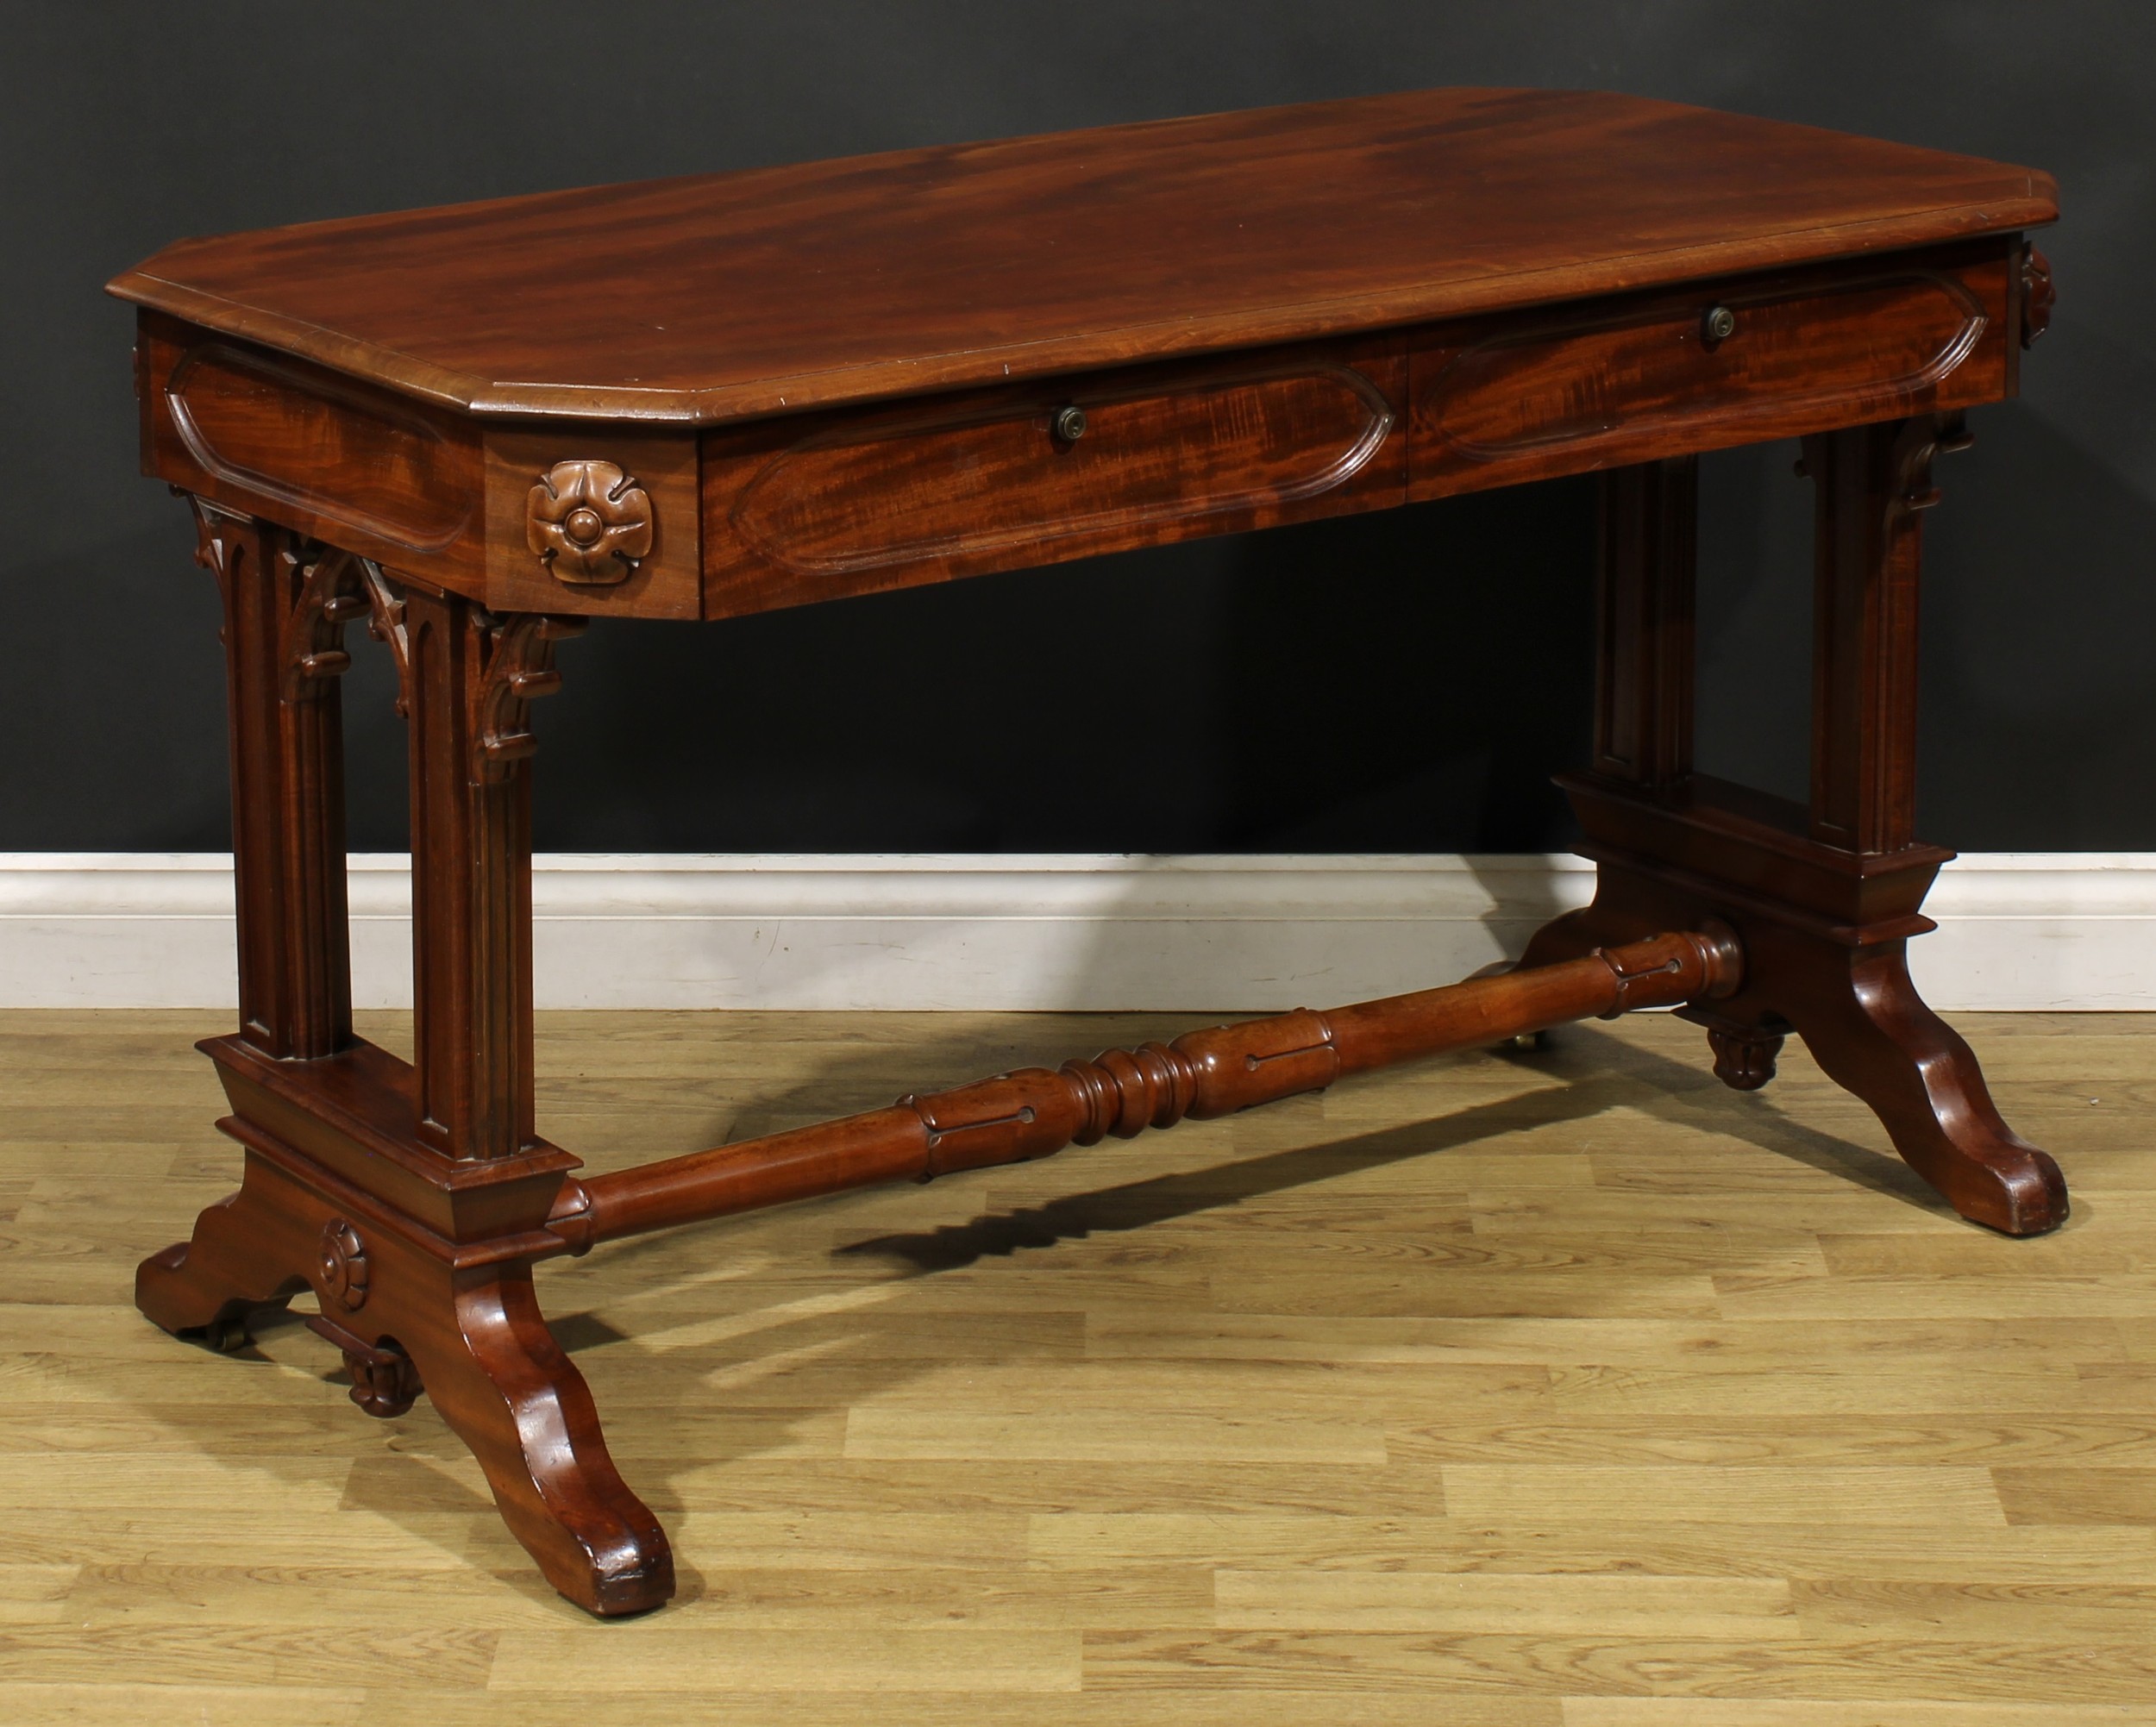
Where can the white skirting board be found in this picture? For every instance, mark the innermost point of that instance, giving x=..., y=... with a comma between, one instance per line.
x=1008, y=931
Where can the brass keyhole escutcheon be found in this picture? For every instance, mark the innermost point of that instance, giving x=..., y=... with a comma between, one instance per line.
x=1718, y=323
x=1069, y=424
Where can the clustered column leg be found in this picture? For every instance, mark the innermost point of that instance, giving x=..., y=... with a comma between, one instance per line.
x=487, y=1358
x=1647, y=535
x=1826, y=895
x=412, y=1200
x=283, y=617
x=467, y=678
x=1864, y=1021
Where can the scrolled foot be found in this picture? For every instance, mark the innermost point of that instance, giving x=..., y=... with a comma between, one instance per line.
x=1744, y=1061
x=1871, y=1032
x=237, y=1262
x=512, y=1395
x=406, y=1319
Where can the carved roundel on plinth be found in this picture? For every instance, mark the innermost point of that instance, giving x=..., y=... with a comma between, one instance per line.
x=343, y=1265
x=588, y=522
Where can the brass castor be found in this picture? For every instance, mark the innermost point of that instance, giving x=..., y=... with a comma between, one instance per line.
x=228, y=1333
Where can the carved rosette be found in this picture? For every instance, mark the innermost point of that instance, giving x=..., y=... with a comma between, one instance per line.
x=343, y=1263
x=588, y=522
x=2037, y=295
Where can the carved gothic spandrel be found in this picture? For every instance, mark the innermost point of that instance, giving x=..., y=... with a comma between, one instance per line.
x=2038, y=295
x=519, y=661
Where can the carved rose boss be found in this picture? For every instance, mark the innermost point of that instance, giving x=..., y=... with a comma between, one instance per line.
x=588, y=522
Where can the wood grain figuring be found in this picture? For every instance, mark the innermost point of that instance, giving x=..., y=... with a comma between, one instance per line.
x=1643, y=1412
x=974, y=264
x=841, y=504
x=803, y=511
x=253, y=421
x=322, y=454
x=1106, y=340
x=1528, y=397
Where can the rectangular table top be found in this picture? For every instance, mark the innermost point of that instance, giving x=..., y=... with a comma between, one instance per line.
x=721, y=296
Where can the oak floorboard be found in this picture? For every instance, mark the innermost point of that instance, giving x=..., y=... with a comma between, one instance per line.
x=1568, y=1390
x=1696, y=1712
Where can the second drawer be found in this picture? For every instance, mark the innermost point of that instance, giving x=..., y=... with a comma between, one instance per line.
x=1737, y=362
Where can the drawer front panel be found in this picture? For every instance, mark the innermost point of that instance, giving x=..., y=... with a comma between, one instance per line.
x=1493, y=406
x=294, y=443
x=252, y=420
x=801, y=511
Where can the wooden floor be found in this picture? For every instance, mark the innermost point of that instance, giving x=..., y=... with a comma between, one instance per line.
x=1558, y=1389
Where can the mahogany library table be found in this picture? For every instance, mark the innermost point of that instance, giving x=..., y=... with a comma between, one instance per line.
x=475, y=427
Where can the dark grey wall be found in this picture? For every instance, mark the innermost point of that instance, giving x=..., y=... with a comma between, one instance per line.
x=1403, y=681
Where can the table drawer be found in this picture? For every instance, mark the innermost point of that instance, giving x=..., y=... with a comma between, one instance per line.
x=326, y=455
x=1504, y=402
x=809, y=509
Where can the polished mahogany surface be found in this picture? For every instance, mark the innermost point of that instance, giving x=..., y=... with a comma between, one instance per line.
x=1105, y=340
x=721, y=296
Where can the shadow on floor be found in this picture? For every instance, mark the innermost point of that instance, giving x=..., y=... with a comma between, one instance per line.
x=1610, y=1075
